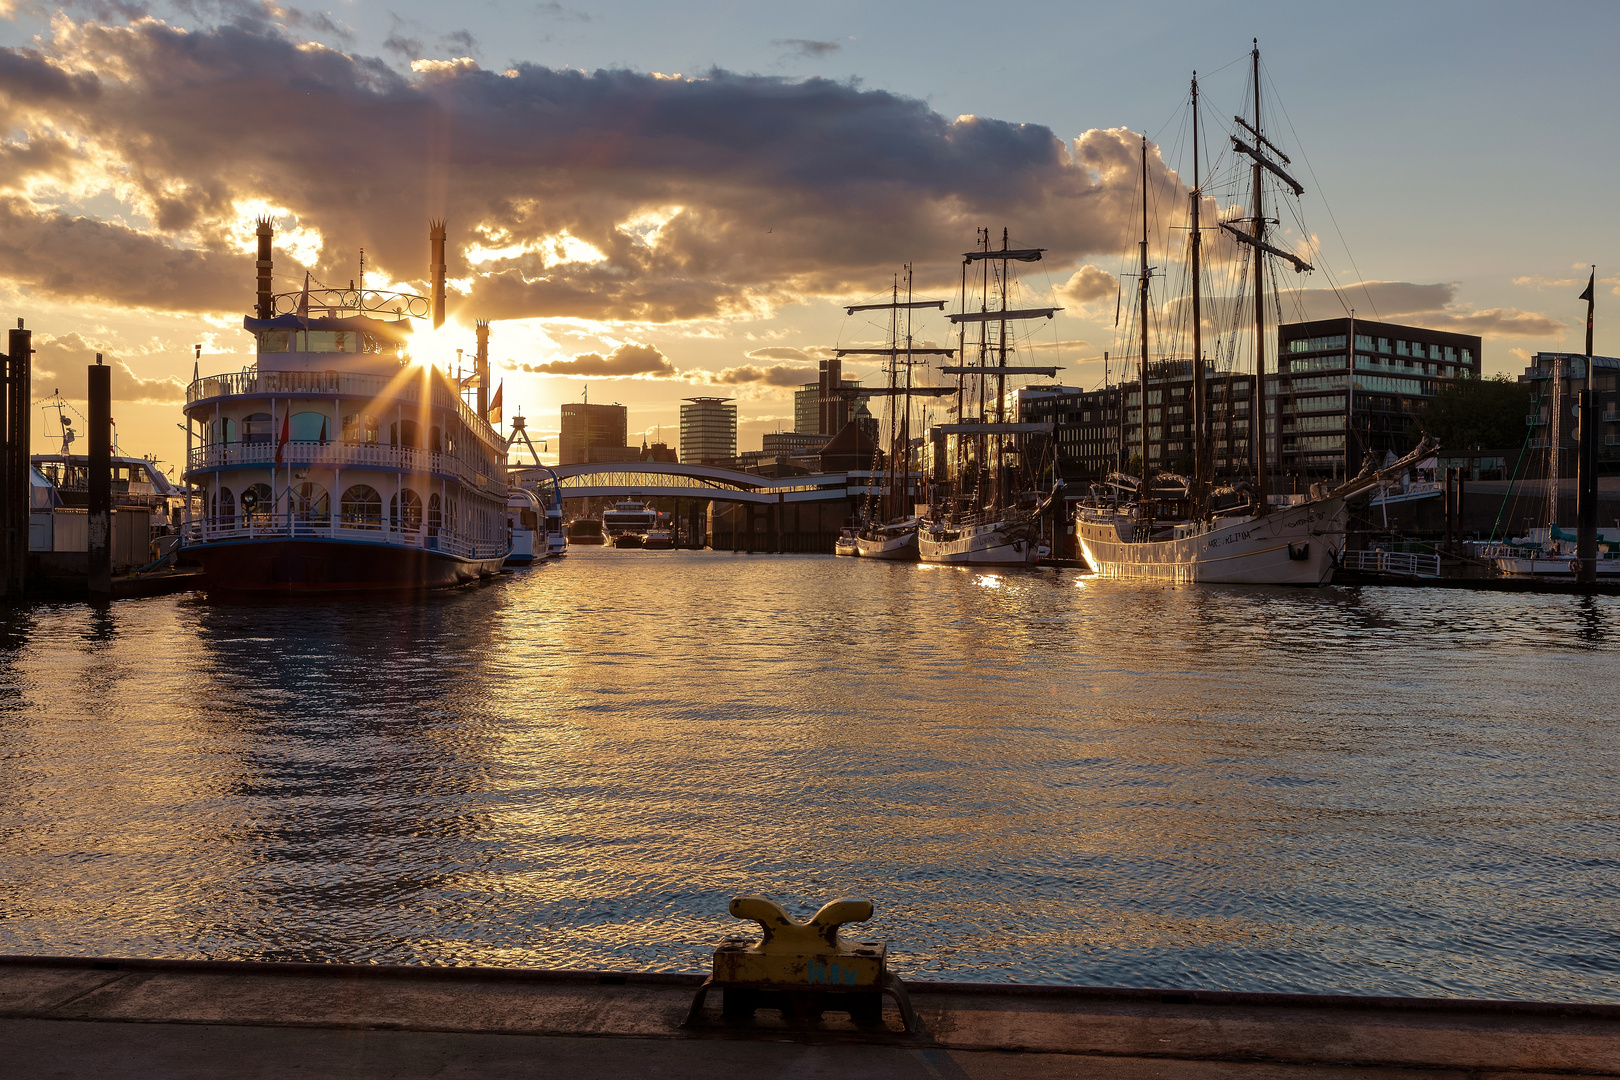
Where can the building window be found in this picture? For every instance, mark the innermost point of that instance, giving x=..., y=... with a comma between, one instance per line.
x=361, y=508
x=311, y=504
x=258, y=428
x=405, y=511
x=360, y=428
x=225, y=508
x=307, y=427
x=1401, y=349
x=404, y=433
x=223, y=431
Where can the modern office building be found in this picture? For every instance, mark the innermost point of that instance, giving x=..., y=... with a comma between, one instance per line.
x=709, y=431
x=807, y=410
x=587, y=428
x=1093, y=438
x=1576, y=372
x=1325, y=425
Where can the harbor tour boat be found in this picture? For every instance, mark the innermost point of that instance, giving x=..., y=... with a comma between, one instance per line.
x=888, y=528
x=990, y=515
x=336, y=462
x=1167, y=527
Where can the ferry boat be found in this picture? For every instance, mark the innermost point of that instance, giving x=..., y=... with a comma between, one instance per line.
x=336, y=462
x=628, y=516
x=658, y=540
x=523, y=523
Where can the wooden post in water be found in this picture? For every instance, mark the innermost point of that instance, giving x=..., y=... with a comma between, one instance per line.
x=99, y=482
x=1462, y=485
x=1451, y=510
x=18, y=398
x=1586, y=486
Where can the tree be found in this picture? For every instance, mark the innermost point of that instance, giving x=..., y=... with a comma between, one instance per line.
x=1470, y=412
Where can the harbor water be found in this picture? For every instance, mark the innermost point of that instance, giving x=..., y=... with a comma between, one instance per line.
x=1035, y=776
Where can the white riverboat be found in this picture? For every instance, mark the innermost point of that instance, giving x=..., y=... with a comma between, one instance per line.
x=336, y=462
x=523, y=522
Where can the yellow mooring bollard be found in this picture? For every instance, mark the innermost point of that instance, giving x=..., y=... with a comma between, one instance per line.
x=803, y=968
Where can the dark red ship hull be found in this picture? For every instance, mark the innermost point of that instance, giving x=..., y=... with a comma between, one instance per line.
x=284, y=567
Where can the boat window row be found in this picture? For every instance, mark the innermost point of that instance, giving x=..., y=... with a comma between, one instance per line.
x=323, y=341
x=315, y=427
x=360, y=508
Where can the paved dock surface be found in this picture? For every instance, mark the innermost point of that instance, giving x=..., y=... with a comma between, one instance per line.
x=145, y=1018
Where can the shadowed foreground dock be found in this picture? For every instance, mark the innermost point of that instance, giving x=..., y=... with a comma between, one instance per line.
x=149, y=1018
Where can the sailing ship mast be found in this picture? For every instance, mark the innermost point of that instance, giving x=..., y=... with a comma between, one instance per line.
x=994, y=366
x=1142, y=317
x=1201, y=451
x=899, y=466
x=1257, y=240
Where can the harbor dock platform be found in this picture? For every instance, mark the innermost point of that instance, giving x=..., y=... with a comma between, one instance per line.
x=179, y=1018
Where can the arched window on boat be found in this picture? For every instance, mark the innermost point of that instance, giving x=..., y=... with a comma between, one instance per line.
x=224, y=509
x=311, y=504
x=308, y=427
x=435, y=439
x=258, y=504
x=435, y=514
x=361, y=508
x=258, y=428
x=404, y=433
x=405, y=511
x=224, y=430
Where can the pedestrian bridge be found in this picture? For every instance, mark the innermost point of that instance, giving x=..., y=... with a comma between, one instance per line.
x=667, y=479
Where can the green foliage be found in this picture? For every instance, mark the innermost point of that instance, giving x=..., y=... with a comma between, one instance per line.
x=1487, y=413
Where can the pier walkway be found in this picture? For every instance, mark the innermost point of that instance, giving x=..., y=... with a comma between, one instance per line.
x=158, y=1018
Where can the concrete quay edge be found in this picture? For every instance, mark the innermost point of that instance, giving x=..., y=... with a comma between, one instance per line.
x=1119, y=1023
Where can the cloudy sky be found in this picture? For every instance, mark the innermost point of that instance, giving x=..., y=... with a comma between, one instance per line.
x=653, y=201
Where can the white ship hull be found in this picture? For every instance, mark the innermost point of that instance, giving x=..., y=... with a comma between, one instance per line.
x=1294, y=546
x=995, y=544
x=901, y=548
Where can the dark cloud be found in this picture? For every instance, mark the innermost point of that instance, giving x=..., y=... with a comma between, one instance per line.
x=460, y=42
x=63, y=362
x=719, y=196
x=629, y=359
x=776, y=375
x=807, y=48
x=561, y=13
x=79, y=258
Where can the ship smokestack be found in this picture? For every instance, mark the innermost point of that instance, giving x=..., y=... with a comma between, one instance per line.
x=436, y=257
x=481, y=365
x=267, y=301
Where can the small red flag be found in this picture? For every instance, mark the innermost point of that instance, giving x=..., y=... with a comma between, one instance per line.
x=286, y=421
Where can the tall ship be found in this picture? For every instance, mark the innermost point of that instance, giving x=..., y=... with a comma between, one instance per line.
x=990, y=514
x=889, y=523
x=1175, y=528
x=336, y=462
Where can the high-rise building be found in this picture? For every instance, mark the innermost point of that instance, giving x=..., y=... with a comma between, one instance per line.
x=807, y=410
x=709, y=431
x=592, y=428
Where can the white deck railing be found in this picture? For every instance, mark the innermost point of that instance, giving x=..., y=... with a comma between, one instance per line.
x=1393, y=562
x=266, y=527
x=340, y=455
x=404, y=389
